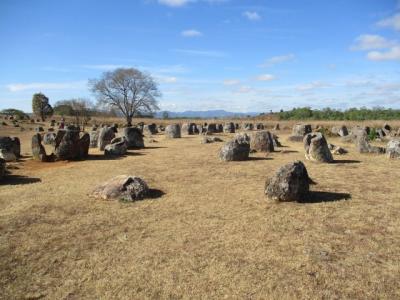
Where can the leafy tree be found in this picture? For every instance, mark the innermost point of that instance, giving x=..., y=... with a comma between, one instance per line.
x=19, y=114
x=63, y=109
x=165, y=115
x=129, y=90
x=41, y=106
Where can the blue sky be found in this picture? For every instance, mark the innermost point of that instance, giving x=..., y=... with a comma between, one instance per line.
x=237, y=55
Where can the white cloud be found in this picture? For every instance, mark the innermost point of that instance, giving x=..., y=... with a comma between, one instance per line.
x=174, y=3
x=371, y=41
x=207, y=53
x=191, y=33
x=231, y=81
x=167, y=79
x=391, y=54
x=41, y=86
x=392, y=22
x=244, y=89
x=277, y=60
x=312, y=86
x=252, y=15
x=180, y=3
x=265, y=77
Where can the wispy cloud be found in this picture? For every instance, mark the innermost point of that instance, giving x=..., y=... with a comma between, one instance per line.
x=312, y=86
x=277, y=60
x=167, y=79
x=265, y=77
x=244, y=89
x=371, y=41
x=231, y=82
x=174, y=3
x=388, y=49
x=42, y=86
x=391, y=22
x=191, y=33
x=206, y=53
x=391, y=54
x=180, y=3
x=252, y=15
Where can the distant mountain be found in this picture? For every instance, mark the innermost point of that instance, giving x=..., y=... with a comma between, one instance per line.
x=206, y=114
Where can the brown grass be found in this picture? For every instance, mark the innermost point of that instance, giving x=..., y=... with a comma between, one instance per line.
x=212, y=235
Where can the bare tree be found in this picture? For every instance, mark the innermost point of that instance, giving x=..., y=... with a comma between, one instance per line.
x=129, y=90
x=81, y=109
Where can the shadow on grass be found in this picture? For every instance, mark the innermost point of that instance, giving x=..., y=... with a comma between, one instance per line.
x=259, y=158
x=152, y=195
x=155, y=193
x=286, y=151
x=153, y=147
x=319, y=197
x=102, y=157
x=18, y=179
x=130, y=153
x=346, y=161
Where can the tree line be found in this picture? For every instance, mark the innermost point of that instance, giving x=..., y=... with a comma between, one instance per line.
x=351, y=114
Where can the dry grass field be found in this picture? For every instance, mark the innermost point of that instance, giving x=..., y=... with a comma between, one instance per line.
x=212, y=234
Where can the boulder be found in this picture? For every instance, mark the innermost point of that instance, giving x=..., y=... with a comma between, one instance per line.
x=343, y=131
x=173, y=131
x=71, y=146
x=67, y=144
x=386, y=129
x=94, y=139
x=234, y=151
x=118, y=147
x=275, y=140
x=209, y=140
x=189, y=129
x=316, y=148
x=363, y=146
x=105, y=137
x=38, y=151
x=248, y=126
x=337, y=150
x=133, y=137
x=122, y=187
x=340, y=131
x=229, y=127
x=290, y=183
x=150, y=129
x=10, y=145
x=7, y=156
x=301, y=129
x=49, y=138
x=260, y=126
x=84, y=145
x=261, y=141
x=242, y=138
x=393, y=149
x=380, y=133
x=220, y=128
x=2, y=168
x=211, y=128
